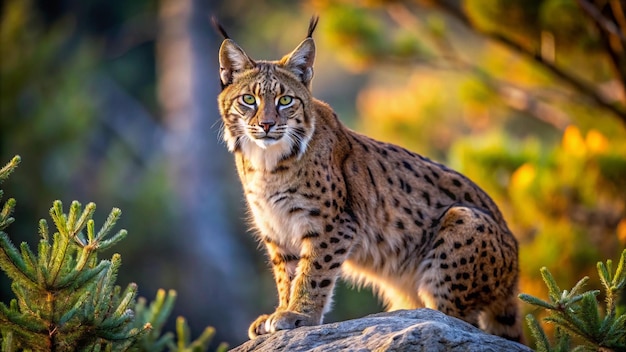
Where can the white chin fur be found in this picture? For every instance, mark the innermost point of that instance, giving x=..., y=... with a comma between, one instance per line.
x=264, y=154
x=265, y=143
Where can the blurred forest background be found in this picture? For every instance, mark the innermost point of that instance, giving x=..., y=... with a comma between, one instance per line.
x=114, y=102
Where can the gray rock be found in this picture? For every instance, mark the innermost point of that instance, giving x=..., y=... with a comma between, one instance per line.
x=404, y=330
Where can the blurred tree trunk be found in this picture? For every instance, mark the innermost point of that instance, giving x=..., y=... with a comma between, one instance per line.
x=218, y=268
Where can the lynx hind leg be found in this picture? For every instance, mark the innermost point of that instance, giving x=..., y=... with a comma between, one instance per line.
x=503, y=318
x=470, y=266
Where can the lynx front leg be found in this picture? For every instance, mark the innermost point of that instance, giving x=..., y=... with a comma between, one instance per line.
x=311, y=290
x=284, y=268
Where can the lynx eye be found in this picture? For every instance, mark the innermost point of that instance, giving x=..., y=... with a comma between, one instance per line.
x=285, y=101
x=248, y=99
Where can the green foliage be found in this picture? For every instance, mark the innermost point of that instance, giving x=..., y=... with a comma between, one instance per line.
x=362, y=39
x=67, y=300
x=7, y=209
x=184, y=344
x=577, y=314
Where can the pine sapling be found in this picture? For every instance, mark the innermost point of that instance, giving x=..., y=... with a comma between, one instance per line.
x=67, y=300
x=576, y=313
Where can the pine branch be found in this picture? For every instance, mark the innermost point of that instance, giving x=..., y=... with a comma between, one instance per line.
x=514, y=97
x=607, y=30
x=578, y=314
x=7, y=169
x=7, y=209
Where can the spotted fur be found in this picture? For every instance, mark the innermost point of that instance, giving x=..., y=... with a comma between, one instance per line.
x=329, y=202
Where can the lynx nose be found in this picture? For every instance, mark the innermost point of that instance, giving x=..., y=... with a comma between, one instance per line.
x=267, y=125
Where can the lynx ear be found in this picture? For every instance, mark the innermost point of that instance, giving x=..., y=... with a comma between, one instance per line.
x=232, y=61
x=300, y=61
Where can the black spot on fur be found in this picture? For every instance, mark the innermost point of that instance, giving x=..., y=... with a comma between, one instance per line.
x=280, y=168
x=448, y=193
x=382, y=166
x=311, y=234
x=369, y=172
x=426, y=197
x=508, y=320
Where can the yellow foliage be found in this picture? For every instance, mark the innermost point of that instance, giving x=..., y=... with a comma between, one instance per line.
x=596, y=142
x=523, y=176
x=573, y=142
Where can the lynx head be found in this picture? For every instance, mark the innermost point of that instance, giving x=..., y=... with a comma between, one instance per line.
x=266, y=106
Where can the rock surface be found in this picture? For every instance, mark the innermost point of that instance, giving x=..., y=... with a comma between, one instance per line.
x=405, y=330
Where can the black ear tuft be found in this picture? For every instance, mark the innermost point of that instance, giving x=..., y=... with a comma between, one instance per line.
x=218, y=27
x=312, y=26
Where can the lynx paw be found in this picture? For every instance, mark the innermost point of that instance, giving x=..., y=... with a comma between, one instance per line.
x=283, y=320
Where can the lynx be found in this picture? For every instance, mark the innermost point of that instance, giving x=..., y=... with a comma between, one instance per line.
x=328, y=202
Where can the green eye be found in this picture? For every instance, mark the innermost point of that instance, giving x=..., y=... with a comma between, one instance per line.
x=285, y=100
x=248, y=99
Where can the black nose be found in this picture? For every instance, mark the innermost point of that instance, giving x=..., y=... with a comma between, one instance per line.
x=267, y=125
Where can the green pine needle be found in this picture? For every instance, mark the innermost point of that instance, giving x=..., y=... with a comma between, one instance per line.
x=120, y=235
x=7, y=169
x=553, y=288
x=12, y=263
x=535, y=301
x=43, y=230
x=75, y=309
x=127, y=300
x=30, y=261
x=5, y=214
x=579, y=285
x=182, y=331
x=541, y=340
x=109, y=223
